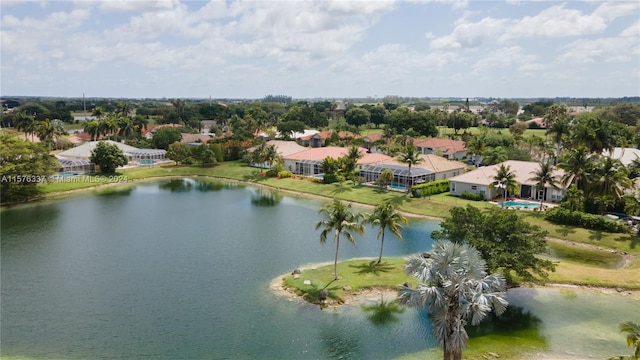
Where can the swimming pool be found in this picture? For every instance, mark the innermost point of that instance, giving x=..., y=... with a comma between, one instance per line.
x=520, y=204
x=146, y=162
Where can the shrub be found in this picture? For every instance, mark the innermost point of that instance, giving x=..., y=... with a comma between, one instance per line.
x=285, y=174
x=430, y=188
x=560, y=215
x=471, y=196
x=275, y=170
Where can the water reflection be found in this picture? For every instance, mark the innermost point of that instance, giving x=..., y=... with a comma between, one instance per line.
x=265, y=198
x=383, y=313
x=514, y=319
x=118, y=191
x=187, y=184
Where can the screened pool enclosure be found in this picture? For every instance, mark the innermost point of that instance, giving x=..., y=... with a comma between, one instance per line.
x=401, y=178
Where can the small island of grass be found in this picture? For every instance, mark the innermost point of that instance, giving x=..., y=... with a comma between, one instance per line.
x=356, y=276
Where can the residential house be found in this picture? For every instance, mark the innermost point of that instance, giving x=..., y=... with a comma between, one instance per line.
x=479, y=181
x=308, y=162
x=625, y=155
x=447, y=148
x=370, y=140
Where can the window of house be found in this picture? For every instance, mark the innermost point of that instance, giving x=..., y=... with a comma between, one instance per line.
x=474, y=187
x=452, y=187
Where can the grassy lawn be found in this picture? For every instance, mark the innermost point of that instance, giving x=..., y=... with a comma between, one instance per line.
x=360, y=274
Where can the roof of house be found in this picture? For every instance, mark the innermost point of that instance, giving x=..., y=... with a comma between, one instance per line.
x=284, y=148
x=193, y=138
x=320, y=153
x=523, y=170
x=373, y=137
x=153, y=129
x=625, y=155
x=84, y=151
x=447, y=146
x=431, y=162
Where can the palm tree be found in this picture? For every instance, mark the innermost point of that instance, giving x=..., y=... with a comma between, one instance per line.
x=270, y=155
x=578, y=165
x=633, y=336
x=455, y=289
x=385, y=216
x=342, y=221
x=505, y=179
x=140, y=123
x=544, y=176
x=574, y=198
x=91, y=127
x=50, y=131
x=411, y=156
x=25, y=122
x=495, y=155
x=610, y=178
x=559, y=131
x=386, y=176
x=98, y=112
x=126, y=127
x=352, y=158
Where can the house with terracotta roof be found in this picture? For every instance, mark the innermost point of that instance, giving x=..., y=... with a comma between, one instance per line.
x=479, y=181
x=320, y=138
x=308, y=162
x=447, y=148
x=369, y=141
x=148, y=133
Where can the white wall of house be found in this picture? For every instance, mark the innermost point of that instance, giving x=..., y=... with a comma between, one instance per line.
x=289, y=165
x=552, y=195
x=447, y=174
x=457, y=188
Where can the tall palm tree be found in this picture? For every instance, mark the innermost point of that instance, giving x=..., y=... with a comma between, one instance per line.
x=98, y=112
x=126, y=127
x=352, y=158
x=559, y=131
x=140, y=123
x=633, y=336
x=91, y=127
x=341, y=220
x=455, y=289
x=411, y=156
x=25, y=122
x=505, y=179
x=610, y=178
x=544, y=176
x=574, y=198
x=270, y=155
x=386, y=216
x=49, y=131
x=578, y=164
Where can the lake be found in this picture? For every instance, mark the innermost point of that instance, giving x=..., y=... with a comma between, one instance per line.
x=180, y=269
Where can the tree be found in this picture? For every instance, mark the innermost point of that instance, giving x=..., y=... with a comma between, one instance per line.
x=505, y=180
x=377, y=115
x=559, y=131
x=455, y=289
x=25, y=122
x=288, y=128
x=164, y=137
x=411, y=156
x=385, y=216
x=49, y=132
x=633, y=336
x=108, y=157
x=98, y=112
x=357, y=116
x=609, y=178
x=23, y=165
x=574, y=199
x=578, y=165
x=507, y=242
x=91, y=128
x=342, y=221
x=544, y=176
x=178, y=152
x=495, y=155
x=386, y=176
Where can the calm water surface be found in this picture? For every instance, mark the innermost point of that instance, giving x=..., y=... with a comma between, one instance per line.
x=179, y=269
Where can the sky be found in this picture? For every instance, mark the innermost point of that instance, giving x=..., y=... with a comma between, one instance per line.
x=320, y=49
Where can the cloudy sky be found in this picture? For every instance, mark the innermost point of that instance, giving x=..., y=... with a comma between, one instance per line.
x=306, y=49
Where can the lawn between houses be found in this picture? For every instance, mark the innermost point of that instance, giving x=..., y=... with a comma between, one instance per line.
x=574, y=266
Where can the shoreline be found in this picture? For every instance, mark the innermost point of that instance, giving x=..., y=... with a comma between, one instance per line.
x=276, y=286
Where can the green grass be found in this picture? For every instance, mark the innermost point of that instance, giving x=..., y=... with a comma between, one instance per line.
x=359, y=274
x=584, y=255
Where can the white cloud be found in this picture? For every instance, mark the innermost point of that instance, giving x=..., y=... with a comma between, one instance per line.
x=137, y=6
x=607, y=49
x=504, y=57
x=632, y=31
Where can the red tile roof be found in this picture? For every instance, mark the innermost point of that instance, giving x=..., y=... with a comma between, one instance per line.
x=447, y=146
